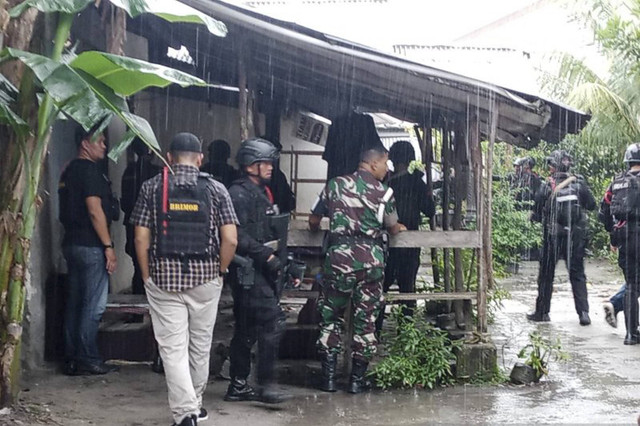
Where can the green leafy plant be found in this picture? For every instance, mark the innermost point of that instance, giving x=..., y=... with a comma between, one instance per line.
x=512, y=231
x=419, y=355
x=540, y=351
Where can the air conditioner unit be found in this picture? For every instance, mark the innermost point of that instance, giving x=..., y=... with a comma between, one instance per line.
x=311, y=127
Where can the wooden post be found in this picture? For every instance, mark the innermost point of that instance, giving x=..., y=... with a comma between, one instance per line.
x=494, y=117
x=243, y=97
x=446, y=186
x=427, y=158
x=253, y=117
x=461, y=182
x=476, y=150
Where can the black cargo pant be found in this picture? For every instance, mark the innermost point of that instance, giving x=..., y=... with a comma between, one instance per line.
x=256, y=320
x=628, y=252
x=570, y=247
x=402, y=266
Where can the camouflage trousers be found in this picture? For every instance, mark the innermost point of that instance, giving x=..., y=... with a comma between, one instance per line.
x=364, y=290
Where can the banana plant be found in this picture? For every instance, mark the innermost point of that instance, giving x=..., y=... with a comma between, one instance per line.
x=90, y=88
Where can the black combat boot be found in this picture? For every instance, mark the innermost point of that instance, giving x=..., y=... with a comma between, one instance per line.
x=358, y=383
x=631, y=320
x=270, y=395
x=584, y=318
x=538, y=317
x=328, y=381
x=239, y=390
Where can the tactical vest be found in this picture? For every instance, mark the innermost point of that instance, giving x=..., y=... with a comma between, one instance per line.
x=625, y=201
x=184, y=228
x=564, y=205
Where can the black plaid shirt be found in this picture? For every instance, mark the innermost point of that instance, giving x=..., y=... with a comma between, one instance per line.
x=167, y=274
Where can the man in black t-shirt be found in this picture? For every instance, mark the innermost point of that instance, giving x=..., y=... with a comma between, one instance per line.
x=412, y=198
x=86, y=210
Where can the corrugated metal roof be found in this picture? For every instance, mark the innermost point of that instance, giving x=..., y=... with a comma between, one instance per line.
x=325, y=74
x=259, y=3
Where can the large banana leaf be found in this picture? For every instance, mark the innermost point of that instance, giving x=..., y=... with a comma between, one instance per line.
x=172, y=11
x=81, y=96
x=127, y=76
x=48, y=6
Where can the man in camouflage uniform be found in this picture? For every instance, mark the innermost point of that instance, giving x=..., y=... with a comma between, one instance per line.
x=359, y=208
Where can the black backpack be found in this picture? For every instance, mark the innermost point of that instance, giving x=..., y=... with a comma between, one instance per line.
x=625, y=202
x=565, y=208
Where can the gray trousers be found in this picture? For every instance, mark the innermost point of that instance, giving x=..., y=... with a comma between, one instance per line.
x=183, y=326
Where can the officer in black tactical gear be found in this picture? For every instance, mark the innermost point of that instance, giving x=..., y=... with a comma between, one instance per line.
x=261, y=239
x=524, y=182
x=620, y=213
x=560, y=205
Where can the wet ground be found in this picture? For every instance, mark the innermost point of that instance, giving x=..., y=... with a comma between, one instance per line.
x=599, y=384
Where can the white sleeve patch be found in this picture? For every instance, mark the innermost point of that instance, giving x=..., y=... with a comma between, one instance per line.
x=385, y=199
x=387, y=195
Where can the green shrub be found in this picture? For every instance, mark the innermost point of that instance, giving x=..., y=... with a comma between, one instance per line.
x=512, y=232
x=419, y=355
x=540, y=351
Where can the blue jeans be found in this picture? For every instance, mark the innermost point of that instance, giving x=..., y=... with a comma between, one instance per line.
x=87, y=289
x=617, y=300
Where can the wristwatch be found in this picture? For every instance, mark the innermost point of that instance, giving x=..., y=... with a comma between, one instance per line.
x=110, y=245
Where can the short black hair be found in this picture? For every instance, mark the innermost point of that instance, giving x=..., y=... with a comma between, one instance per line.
x=82, y=134
x=402, y=152
x=373, y=153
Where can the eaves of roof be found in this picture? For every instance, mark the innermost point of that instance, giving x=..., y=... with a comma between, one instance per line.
x=396, y=85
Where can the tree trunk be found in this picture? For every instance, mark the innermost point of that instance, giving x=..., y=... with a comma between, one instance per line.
x=19, y=193
x=14, y=250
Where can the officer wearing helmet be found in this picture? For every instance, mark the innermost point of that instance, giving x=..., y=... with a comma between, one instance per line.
x=620, y=214
x=528, y=184
x=524, y=182
x=256, y=305
x=560, y=205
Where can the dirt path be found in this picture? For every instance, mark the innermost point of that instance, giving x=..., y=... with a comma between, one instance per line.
x=599, y=384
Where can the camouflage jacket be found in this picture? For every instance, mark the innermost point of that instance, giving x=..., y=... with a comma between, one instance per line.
x=361, y=206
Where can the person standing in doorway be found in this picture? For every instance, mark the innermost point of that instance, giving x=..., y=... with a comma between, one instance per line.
x=185, y=238
x=217, y=166
x=561, y=204
x=412, y=198
x=134, y=175
x=86, y=210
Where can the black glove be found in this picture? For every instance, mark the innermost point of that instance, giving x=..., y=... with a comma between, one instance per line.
x=274, y=265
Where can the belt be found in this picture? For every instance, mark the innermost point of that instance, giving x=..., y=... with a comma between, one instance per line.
x=335, y=239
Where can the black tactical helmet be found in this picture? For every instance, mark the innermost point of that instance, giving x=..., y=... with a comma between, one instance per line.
x=254, y=150
x=402, y=152
x=561, y=160
x=632, y=154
